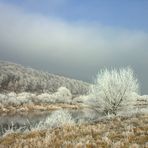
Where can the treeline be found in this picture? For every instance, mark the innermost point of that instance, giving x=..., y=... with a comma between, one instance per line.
x=14, y=77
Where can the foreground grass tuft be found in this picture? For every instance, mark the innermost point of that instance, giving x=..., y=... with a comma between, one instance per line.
x=116, y=132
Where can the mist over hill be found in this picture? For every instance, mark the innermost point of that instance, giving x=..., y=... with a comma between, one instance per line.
x=15, y=77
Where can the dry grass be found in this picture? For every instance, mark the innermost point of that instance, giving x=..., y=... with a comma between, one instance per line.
x=118, y=132
x=35, y=107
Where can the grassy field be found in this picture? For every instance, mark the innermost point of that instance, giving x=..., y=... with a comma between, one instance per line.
x=116, y=132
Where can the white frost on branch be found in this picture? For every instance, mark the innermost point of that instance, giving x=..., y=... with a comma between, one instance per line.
x=59, y=118
x=114, y=90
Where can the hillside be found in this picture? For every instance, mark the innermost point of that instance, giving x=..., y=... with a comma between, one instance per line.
x=15, y=77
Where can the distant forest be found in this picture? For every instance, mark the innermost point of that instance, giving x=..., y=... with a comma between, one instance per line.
x=14, y=77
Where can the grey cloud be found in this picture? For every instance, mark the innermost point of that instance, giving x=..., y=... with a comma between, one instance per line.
x=76, y=50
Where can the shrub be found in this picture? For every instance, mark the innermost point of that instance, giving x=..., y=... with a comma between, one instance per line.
x=64, y=92
x=3, y=98
x=63, y=95
x=12, y=94
x=114, y=90
x=58, y=118
x=44, y=98
x=82, y=98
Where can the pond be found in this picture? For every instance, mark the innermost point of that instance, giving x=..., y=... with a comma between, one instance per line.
x=24, y=121
x=28, y=120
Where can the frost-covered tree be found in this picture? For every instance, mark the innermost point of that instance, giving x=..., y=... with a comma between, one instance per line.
x=14, y=77
x=114, y=90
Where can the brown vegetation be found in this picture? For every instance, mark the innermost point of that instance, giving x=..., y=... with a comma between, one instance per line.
x=123, y=132
x=34, y=107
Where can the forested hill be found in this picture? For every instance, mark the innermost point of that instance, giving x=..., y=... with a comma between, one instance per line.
x=15, y=77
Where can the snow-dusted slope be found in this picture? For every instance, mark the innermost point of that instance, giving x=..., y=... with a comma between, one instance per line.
x=14, y=77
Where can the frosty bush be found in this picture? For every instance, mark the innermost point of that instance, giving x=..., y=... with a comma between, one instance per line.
x=12, y=94
x=114, y=90
x=59, y=118
x=25, y=94
x=13, y=99
x=63, y=95
x=3, y=98
x=45, y=98
x=25, y=98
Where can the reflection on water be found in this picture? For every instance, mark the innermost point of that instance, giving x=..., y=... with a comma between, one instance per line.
x=28, y=120
x=18, y=121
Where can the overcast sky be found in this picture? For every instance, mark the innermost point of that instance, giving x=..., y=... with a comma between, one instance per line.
x=76, y=38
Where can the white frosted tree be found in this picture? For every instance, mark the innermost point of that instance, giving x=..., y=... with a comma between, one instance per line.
x=114, y=90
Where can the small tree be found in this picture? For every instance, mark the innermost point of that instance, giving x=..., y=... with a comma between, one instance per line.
x=114, y=90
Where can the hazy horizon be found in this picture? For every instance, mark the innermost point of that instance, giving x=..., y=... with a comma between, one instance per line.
x=75, y=38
